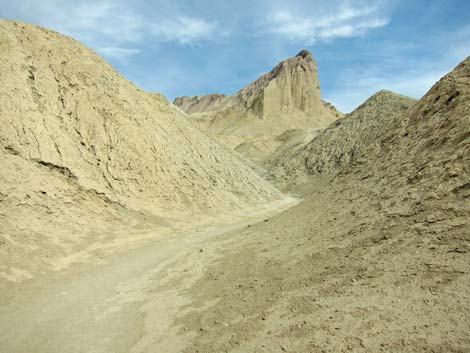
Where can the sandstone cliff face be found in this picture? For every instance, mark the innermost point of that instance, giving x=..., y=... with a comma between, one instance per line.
x=287, y=97
x=81, y=144
x=292, y=86
x=344, y=141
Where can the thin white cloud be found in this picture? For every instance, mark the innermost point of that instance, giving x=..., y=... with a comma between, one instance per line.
x=97, y=23
x=118, y=52
x=415, y=85
x=343, y=22
x=351, y=30
x=114, y=28
x=184, y=30
x=358, y=85
x=404, y=75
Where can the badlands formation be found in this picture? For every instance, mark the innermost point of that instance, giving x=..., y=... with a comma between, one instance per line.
x=83, y=150
x=287, y=97
x=128, y=224
x=375, y=261
x=337, y=146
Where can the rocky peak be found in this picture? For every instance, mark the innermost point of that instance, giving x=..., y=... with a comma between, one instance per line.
x=287, y=97
x=303, y=60
x=292, y=85
x=305, y=54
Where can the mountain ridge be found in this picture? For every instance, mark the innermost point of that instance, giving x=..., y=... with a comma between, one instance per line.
x=287, y=97
x=248, y=95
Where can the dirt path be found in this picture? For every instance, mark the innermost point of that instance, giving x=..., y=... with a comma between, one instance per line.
x=105, y=308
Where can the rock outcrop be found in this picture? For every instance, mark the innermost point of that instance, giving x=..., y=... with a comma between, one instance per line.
x=291, y=87
x=288, y=97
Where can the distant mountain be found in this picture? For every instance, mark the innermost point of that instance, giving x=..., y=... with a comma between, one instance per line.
x=199, y=104
x=288, y=97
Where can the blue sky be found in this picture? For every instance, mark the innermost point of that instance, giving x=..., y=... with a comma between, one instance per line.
x=183, y=47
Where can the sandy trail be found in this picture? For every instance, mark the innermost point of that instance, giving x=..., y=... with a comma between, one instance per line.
x=97, y=308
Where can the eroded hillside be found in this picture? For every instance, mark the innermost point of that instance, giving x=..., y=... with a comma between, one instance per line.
x=84, y=152
x=375, y=261
x=346, y=140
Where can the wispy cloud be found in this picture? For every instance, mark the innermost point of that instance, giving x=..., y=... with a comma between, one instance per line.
x=359, y=84
x=343, y=22
x=114, y=28
x=118, y=53
x=414, y=84
x=187, y=47
x=405, y=73
x=184, y=30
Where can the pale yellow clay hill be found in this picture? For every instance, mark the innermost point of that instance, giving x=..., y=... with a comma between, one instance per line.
x=86, y=156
